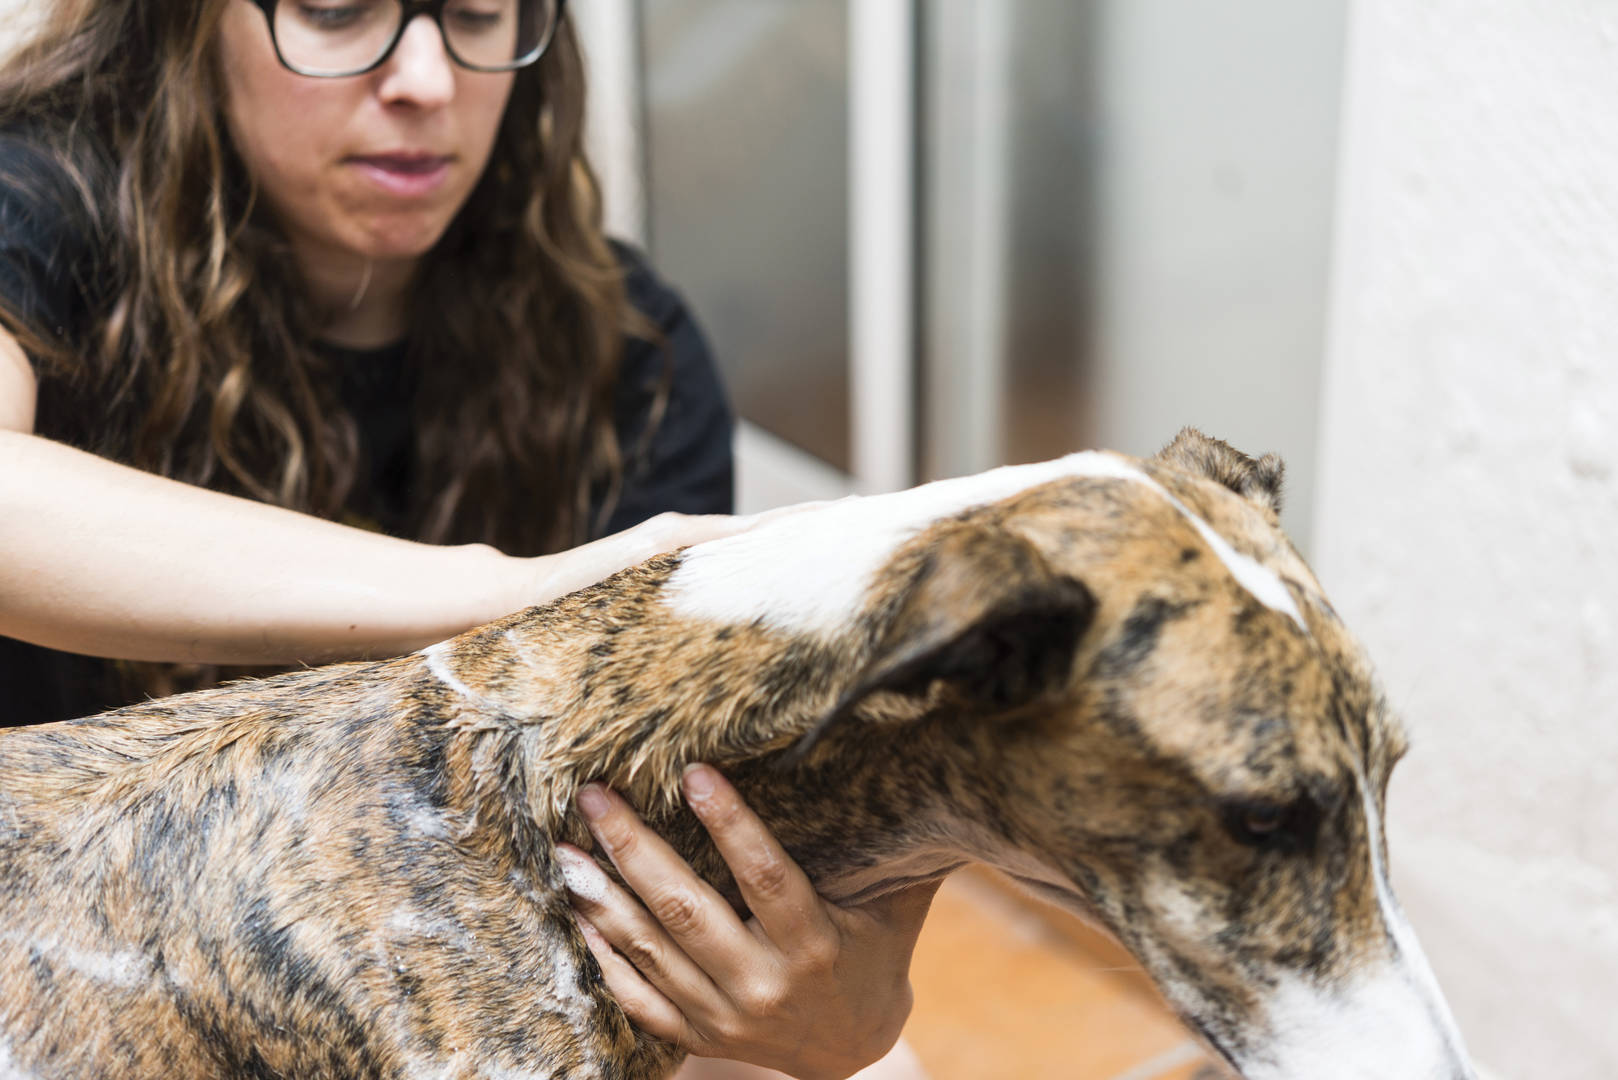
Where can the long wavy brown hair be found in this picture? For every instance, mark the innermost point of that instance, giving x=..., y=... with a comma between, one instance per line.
x=202, y=348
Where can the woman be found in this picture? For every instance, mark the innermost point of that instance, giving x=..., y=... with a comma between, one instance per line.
x=274, y=269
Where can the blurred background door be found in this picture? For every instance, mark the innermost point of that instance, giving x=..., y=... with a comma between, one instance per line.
x=932, y=236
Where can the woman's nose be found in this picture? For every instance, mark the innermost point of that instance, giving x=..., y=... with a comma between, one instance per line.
x=420, y=71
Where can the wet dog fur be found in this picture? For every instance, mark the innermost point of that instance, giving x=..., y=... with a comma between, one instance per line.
x=1114, y=679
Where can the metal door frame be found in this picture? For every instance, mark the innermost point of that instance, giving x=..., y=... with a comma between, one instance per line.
x=882, y=230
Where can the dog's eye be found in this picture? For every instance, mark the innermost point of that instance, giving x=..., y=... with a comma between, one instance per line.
x=1262, y=820
x=1272, y=825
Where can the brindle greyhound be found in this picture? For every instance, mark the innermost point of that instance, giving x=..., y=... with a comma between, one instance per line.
x=1113, y=679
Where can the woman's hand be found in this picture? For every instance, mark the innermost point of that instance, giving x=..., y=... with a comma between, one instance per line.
x=804, y=986
x=550, y=576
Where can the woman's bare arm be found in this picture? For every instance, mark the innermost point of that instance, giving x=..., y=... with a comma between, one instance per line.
x=110, y=561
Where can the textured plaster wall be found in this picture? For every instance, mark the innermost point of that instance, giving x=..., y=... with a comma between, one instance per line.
x=1467, y=517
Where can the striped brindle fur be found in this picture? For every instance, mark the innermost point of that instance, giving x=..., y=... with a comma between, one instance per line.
x=1113, y=679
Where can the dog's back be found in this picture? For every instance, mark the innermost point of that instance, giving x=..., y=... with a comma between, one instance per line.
x=272, y=879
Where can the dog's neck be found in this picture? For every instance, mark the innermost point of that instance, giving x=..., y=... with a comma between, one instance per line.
x=606, y=685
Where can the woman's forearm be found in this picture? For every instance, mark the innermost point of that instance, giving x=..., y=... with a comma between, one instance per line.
x=110, y=561
x=106, y=560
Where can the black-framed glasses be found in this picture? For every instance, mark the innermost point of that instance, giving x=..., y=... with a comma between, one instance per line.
x=336, y=38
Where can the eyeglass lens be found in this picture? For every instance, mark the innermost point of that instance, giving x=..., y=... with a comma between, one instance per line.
x=332, y=37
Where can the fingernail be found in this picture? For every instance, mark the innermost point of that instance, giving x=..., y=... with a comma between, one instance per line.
x=593, y=802
x=592, y=936
x=699, y=781
x=583, y=877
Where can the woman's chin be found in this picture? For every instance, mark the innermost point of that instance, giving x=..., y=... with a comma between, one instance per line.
x=399, y=239
x=397, y=249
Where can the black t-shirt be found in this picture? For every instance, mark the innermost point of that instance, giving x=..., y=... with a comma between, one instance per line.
x=49, y=274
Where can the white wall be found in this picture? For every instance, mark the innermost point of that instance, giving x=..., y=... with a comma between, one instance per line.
x=1215, y=170
x=1468, y=511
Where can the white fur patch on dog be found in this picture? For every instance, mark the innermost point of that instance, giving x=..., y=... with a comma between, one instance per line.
x=497, y=1072
x=1377, y=1027
x=122, y=970
x=9, y=1069
x=436, y=663
x=808, y=572
x=1390, y=1022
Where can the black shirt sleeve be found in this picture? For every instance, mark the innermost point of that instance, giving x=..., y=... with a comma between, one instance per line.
x=47, y=262
x=45, y=258
x=685, y=462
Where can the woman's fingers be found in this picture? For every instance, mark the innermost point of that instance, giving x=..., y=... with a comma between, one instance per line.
x=670, y=530
x=633, y=934
x=644, y=1003
x=682, y=912
x=806, y=987
x=546, y=577
x=790, y=913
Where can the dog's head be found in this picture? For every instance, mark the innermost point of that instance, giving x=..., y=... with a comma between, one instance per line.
x=1172, y=733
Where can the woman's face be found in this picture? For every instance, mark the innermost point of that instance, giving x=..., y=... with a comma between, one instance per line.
x=374, y=165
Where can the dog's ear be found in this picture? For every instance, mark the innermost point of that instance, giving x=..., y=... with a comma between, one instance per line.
x=1256, y=479
x=986, y=617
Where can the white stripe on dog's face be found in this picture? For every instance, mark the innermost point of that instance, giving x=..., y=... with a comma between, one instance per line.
x=1387, y=1023
x=810, y=572
x=1259, y=580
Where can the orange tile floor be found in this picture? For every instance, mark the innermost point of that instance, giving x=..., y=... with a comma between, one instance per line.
x=1008, y=989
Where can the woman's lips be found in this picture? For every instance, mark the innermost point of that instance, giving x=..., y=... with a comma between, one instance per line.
x=409, y=176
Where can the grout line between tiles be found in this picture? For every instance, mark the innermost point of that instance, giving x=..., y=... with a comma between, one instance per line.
x=1184, y=1054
